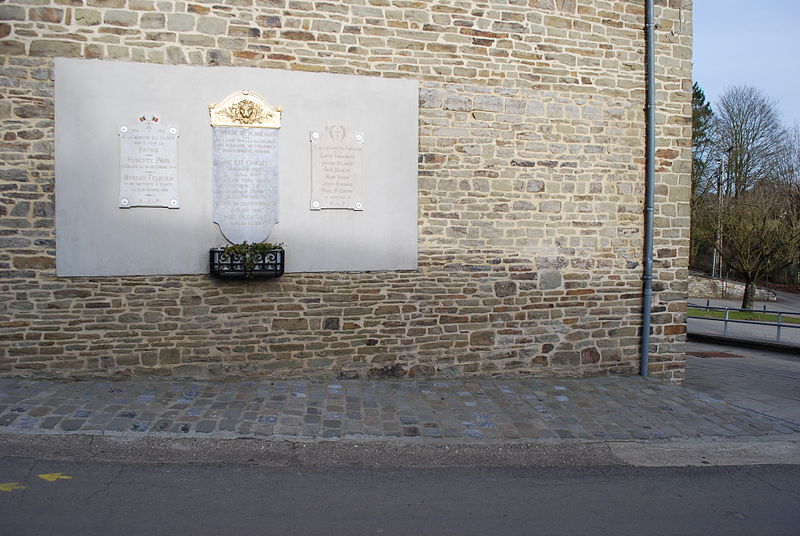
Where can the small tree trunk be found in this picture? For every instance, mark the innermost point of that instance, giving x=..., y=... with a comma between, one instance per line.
x=749, y=294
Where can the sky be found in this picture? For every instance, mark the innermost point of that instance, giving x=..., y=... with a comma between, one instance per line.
x=753, y=43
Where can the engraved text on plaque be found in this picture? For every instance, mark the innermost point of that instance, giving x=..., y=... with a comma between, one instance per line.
x=148, y=164
x=336, y=168
x=245, y=182
x=245, y=155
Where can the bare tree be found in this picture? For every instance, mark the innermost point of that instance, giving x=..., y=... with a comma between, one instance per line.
x=751, y=138
x=761, y=230
x=751, y=218
x=790, y=162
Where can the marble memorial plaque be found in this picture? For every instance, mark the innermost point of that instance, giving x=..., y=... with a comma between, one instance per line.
x=336, y=168
x=245, y=155
x=245, y=182
x=148, y=164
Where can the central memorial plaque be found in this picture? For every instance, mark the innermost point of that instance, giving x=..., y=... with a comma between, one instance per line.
x=245, y=154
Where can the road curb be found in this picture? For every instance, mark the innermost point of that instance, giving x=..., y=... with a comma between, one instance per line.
x=401, y=453
x=701, y=452
x=743, y=343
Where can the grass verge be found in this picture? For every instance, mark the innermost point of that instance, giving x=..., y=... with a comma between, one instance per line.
x=744, y=315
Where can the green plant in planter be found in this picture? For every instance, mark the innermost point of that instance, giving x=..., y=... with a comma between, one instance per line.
x=250, y=254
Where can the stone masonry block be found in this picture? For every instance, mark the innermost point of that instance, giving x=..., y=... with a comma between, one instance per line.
x=180, y=22
x=550, y=280
x=169, y=356
x=590, y=356
x=212, y=25
x=488, y=103
x=505, y=288
x=550, y=206
x=430, y=98
x=290, y=324
x=55, y=47
x=121, y=18
x=88, y=17
x=458, y=103
x=46, y=14
x=9, y=13
x=482, y=338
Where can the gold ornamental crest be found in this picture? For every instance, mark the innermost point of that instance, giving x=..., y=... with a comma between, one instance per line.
x=245, y=109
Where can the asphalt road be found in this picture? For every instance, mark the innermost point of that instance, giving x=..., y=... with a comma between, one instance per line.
x=74, y=484
x=109, y=499
x=786, y=301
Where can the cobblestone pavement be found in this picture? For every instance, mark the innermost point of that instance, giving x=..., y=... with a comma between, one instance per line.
x=468, y=410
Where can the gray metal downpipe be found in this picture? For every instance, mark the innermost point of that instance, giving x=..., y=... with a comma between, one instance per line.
x=650, y=152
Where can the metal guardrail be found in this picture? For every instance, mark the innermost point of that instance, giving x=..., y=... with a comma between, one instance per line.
x=727, y=320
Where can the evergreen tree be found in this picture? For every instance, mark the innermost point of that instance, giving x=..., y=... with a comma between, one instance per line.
x=702, y=151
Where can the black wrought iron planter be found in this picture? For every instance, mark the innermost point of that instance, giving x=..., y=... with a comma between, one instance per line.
x=242, y=262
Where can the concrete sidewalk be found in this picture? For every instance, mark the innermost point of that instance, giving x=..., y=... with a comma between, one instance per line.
x=756, y=379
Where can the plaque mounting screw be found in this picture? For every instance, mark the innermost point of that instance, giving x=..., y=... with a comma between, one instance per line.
x=315, y=135
x=359, y=205
x=123, y=129
x=124, y=202
x=359, y=137
x=315, y=204
x=173, y=202
x=173, y=130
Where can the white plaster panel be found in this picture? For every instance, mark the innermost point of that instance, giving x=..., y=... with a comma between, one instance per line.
x=94, y=237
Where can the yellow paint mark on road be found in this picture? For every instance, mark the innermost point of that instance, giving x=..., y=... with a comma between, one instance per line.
x=11, y=486
x=52, y=477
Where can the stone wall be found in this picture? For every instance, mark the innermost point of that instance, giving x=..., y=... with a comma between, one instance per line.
x=701, y=286
x=531, y=186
